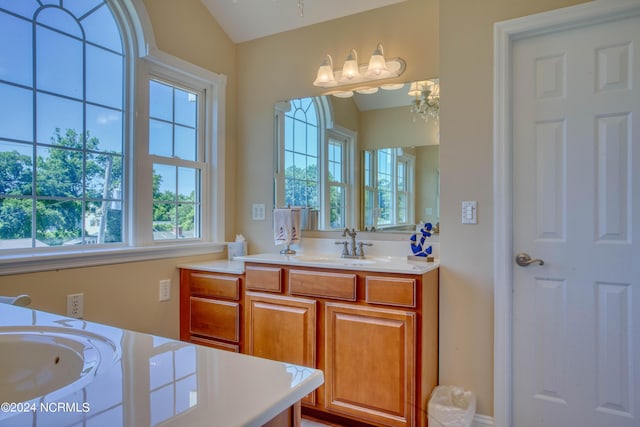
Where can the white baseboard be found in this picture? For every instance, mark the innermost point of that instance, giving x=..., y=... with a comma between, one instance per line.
x=482, y=421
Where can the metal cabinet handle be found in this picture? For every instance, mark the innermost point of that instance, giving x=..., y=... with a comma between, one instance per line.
x=524, y=260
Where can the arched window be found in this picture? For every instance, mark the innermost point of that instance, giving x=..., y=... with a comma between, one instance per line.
x=301, y=153
x=71, y=174
x=315, y=167
x=61, y=124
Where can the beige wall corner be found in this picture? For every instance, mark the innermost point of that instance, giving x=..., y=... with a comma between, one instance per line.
x=187, y=30
x=466, y=151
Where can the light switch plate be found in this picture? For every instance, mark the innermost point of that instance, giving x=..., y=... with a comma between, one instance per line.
x=164, y=290
x=258, y=211
x=470, y=212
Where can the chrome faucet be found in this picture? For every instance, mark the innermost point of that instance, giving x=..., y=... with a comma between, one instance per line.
x=352, y=234
x=352, y=249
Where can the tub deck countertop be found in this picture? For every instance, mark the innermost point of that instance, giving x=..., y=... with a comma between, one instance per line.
x=146, y=380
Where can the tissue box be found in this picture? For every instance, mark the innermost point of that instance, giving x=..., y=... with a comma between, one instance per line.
x=235, y=249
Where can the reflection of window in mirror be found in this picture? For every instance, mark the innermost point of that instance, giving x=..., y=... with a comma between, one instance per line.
x=315, y=162
x=388, y=193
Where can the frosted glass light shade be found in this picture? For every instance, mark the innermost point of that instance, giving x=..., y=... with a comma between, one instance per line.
x=377, y=64
x=351, y=69
x=325, y=76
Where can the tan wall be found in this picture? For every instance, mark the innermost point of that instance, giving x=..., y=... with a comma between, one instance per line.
x=428, y=163
x=122, y=295
x=394, y=127
x=345, y=113
x=284, y=66
x=466, y=291
x=187, y=30
x=126, y=295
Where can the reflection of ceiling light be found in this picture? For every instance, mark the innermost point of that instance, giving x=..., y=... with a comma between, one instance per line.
x=352, y=72
x=366, y=90
x=345, y=94
x=426, y=103
x=392, y=86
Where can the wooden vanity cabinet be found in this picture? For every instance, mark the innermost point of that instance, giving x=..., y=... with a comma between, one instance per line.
x=210, y=309
x=375, y=336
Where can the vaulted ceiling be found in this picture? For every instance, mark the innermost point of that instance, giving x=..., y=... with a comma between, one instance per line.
x=245, y=20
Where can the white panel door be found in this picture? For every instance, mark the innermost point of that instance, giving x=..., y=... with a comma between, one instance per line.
x=576, y=169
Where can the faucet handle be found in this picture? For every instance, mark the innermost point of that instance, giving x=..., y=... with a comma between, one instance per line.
x=360, y=249
x=345, y=247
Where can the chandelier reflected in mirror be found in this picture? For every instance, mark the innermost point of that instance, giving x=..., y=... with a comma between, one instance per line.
x=426, y=102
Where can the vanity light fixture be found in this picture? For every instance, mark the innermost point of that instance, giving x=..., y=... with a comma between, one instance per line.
x=352, y=73
x=349, y=93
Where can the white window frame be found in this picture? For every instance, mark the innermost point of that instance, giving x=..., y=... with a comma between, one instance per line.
x=142, y=59
x=326, y=130
x=410, y=161
x=348, y=140
x=174, y=70
x=397, y=155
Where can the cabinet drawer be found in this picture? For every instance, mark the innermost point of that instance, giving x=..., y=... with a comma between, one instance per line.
x=396, y=291
x=263, y=278
x=215, y=344
x=215, y=286
x=215, y=319
x=323, y=284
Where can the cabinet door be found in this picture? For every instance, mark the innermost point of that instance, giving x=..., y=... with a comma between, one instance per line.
x=281, y=328
x=370, y=363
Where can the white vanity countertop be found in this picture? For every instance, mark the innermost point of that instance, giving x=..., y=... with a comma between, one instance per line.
x=216, y=266
x=143, y=380
x=386, y=264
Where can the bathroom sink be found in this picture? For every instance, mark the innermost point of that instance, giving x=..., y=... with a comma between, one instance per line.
x=323, y=259
x=316, y=258
x=49, y=361
x=356, y=261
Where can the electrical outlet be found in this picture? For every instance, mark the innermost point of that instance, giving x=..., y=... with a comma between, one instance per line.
x=165, y=290
x=75, y=305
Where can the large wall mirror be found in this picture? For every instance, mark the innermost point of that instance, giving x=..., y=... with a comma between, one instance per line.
x=369, y=161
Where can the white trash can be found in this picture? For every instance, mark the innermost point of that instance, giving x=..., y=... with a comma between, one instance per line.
x=451, y=406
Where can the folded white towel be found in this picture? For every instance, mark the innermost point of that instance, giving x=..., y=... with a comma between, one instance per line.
x=286, y=226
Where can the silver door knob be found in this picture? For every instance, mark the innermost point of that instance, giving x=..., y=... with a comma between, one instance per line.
x=524, y=260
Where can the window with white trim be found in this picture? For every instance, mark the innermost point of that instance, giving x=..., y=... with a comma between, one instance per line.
x=61, y=125
x=176, y=148
x=389, y=196
x=315, y=162
x=338, y=182
x=76, y=168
